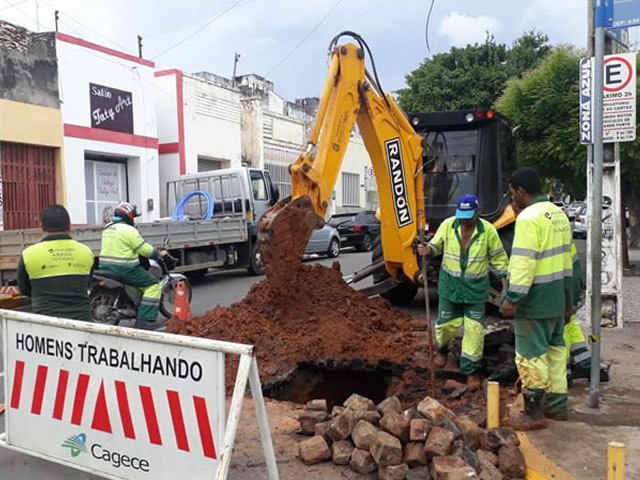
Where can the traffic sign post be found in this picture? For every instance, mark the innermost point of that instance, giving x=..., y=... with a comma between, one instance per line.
x=123, y=403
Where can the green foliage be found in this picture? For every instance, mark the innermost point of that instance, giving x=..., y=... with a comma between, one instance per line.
x=470, y=77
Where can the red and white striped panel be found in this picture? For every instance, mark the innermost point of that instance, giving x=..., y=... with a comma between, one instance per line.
x=136, y=412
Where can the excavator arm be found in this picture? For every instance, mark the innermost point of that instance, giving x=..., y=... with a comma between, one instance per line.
x=352, y=95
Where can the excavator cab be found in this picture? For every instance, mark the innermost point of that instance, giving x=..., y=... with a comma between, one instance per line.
x=466, y=151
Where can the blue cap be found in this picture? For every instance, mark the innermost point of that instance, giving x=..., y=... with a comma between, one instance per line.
x=467, y=206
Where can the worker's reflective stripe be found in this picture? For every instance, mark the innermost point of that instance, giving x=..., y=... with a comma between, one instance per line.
x=549, y=277
x=553, y=251
x=119, y=260
x=581, y=357
x=139, y=246
x=434, y=250
x=578, y=345
x=523, y=289
x=523, y=252
x=473, y=358
x=451, y=272
x=497, y=251
x=474, y=275
x=150, y=301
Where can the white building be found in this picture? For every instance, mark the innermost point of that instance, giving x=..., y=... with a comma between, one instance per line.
x=198, y=124
x=110, y=130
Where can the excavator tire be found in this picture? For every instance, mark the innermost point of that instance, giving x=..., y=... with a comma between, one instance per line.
x=402, y=294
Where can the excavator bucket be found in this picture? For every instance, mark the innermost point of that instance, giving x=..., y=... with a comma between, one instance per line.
x=283, y=233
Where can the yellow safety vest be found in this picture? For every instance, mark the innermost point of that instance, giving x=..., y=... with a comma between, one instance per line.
x=122, y=244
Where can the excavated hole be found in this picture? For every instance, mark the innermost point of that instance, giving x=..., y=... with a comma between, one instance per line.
x=333, y=381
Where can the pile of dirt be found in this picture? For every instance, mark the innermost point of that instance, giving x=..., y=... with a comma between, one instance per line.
x=318, y=317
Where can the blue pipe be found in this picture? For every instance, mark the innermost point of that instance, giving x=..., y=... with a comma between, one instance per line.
x=178, y=212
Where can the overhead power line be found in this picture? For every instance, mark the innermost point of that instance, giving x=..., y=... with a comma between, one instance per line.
x=9, y=6
x=307, y=37
x=197, y=31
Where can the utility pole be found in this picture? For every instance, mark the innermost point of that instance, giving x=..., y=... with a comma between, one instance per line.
x=37, y=16
x=140, y=46
x=236, y=58
x=57, y=18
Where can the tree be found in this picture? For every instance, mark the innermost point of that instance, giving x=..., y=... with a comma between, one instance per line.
x=544, y=107
x=470, y=77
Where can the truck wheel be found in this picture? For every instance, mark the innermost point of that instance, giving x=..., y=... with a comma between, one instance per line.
x=334, y=248
x=402, y=294
x=367, y=243
x=256, y=267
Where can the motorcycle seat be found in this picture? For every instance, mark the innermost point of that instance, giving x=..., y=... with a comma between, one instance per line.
x=108, y=274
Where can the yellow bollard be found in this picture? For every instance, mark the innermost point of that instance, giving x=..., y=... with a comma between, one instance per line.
x=493, y=405
x=615, y=468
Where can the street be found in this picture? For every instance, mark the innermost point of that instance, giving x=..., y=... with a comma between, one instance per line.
x=220, y=288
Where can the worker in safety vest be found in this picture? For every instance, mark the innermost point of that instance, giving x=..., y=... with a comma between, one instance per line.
x=469, y=245
x=122, y=244
x=539, y=296
x=56, y=271
x=577, y=352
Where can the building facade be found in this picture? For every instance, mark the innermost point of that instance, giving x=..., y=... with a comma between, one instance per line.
x=110, y=131
x=31, y=141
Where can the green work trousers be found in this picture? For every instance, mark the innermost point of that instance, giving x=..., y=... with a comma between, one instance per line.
x=139, y=277
x=541, y=360
x=451, y=316
x=578, y=354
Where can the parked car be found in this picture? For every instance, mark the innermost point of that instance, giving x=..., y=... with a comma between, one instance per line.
x=573, y=208
x=324, y=241
x=356, y=229
x=579, y=223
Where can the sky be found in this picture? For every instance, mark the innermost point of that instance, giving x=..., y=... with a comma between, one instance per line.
x=287, y=40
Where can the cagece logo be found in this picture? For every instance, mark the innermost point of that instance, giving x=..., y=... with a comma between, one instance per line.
x=76, y=444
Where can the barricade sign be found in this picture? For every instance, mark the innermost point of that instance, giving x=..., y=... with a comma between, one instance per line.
x=123, y=403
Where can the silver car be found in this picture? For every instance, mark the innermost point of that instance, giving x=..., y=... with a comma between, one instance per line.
x=324, y=241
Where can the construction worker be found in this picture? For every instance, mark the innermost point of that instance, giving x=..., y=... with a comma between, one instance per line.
x=577, y=352
x=539, y=296
x=56, y=272
x=122, y=244
x=468, y=245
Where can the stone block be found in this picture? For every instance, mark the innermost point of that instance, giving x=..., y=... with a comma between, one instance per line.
x=419, y=429
x=319, y=405
x=337, y=410
x=321, y=429
x=439, y=442
x=396, y=424
x=466, y=454
x=341, y=452
x=371, y=416
x=487, y=456
x=358, y=402
x=420, y=473
x=362, y=462
x=314, y=450
x=413, y=414
x=386, y=449
x=495, y=438
x=362, y=434
x=433, y=410
x=393, y=472
x=488, y=471
x=340, y=427
x=442, y=467
x=471, y=432
x=308, y=420
x=452, y=427
x=414, y=455
x=390, y=404
x=511, y=461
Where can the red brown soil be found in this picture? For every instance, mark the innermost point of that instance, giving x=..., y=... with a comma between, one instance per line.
x=319, y=318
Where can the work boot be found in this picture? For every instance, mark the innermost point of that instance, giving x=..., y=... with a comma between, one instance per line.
x=439, y=360
x=474, y=382
x=147, y=325
x=533, y=417
x=580, y=372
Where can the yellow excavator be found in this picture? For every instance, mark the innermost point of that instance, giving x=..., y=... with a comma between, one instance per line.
x=419, y=160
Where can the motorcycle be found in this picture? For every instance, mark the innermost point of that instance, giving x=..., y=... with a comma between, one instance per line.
x=111, y=300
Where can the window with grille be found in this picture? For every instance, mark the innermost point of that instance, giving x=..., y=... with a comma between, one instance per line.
x=350, y=189
x=280, y=177
x=209, y=164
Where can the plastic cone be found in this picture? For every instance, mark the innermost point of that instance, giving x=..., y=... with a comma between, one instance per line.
x=181, y=307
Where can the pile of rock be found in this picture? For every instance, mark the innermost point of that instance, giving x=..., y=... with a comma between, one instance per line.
x=426, y=442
